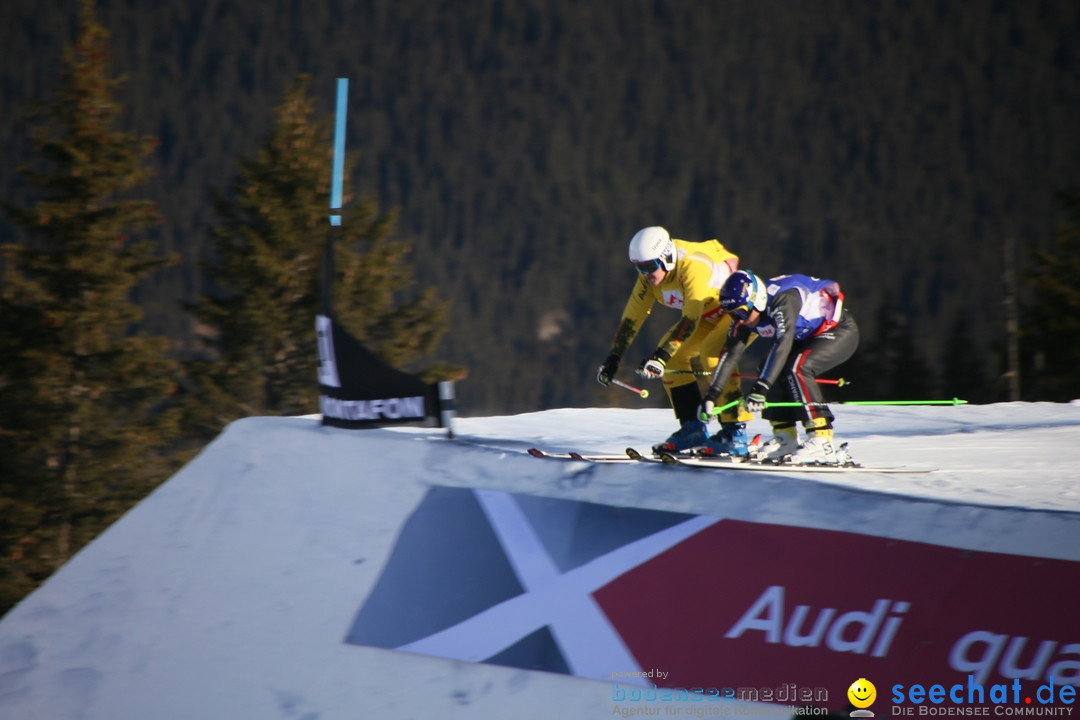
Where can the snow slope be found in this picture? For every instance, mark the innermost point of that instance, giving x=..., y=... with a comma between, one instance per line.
x=227, y=593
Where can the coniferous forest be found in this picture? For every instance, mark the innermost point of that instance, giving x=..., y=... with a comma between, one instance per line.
x=897, y=147
x=502, y=153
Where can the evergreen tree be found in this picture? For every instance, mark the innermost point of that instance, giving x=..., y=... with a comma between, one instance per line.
x=81, y=437
x=964, y=373
x=892, y=366
x=258, y=325
x=1054, y=328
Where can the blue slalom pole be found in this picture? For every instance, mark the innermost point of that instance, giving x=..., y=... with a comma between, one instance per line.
x=338, y=179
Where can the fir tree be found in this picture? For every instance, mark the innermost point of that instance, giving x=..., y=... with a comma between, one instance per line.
x=258, y=324
x=964, y=373
x=892, y=366
x=1053, y=327
x=80, y=432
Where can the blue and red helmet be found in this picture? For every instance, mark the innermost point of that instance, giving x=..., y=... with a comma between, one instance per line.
x=742, y=292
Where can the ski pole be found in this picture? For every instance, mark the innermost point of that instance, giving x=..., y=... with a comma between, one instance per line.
x=839, y=382
x=954, y=401
x=640, y=391
x=721, y=408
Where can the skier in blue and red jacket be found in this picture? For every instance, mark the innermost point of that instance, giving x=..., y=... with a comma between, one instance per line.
x=812, y=332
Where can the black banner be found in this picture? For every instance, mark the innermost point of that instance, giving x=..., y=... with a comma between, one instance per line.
x=357, y=389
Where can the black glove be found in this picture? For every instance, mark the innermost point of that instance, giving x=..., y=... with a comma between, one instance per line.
x=607, y=371
x=755, y=399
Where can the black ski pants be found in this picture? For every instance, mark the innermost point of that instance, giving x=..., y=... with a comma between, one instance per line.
x=809, y=359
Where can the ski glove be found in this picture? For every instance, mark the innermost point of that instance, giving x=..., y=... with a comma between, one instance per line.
x=653, y=368
x=755, y=401
x=607, y=371
x=705, y=410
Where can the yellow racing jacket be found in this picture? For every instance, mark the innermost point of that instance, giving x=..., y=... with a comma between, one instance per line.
x=692, y=287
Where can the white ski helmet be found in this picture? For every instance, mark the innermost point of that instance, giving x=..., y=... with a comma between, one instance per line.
x=652, y=248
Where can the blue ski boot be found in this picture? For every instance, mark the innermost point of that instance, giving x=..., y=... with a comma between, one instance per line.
x=692, y=434
x=729, y=440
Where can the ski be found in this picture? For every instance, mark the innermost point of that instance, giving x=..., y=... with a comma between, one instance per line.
x=654, y=458
x=730, y=463
x=724, y=462
x=580, y=457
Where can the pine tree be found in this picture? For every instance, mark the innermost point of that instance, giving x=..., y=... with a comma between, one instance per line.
x=889, y=365
x=964, y=373
x=80, y=432
x=258, y=325
x=1053, y=327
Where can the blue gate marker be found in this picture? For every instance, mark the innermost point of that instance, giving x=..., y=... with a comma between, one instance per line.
x=339, y=151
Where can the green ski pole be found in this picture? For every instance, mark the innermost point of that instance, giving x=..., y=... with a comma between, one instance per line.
x=719, y=409
x=954, y=401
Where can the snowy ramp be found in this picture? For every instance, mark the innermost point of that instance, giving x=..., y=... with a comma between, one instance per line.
x=256, y=582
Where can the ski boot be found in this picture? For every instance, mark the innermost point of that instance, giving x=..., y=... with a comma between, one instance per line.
x=729, y=440
x=692, y=434
x=784, y=442
x=817, y=450
x=843, y=457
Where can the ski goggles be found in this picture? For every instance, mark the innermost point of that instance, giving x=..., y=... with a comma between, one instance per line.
x=741, y=312
x=645, y=267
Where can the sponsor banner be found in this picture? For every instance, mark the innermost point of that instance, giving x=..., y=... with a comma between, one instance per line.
x=750, y=602
x=411, y=408
x=673, y=606
x=358, y=389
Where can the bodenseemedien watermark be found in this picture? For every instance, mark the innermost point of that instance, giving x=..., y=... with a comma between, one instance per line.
x=787, y=693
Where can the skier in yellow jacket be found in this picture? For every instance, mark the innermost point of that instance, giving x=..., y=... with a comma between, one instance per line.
x=686, y=276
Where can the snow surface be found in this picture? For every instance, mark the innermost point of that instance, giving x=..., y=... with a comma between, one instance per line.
x=228, y=592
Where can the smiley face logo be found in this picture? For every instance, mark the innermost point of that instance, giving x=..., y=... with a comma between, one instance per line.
x=862, y=693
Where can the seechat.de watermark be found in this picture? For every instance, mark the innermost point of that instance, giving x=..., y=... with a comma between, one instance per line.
x=967, y=699
x=973, y=698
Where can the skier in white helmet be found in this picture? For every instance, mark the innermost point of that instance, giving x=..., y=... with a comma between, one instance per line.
x=686, y=276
